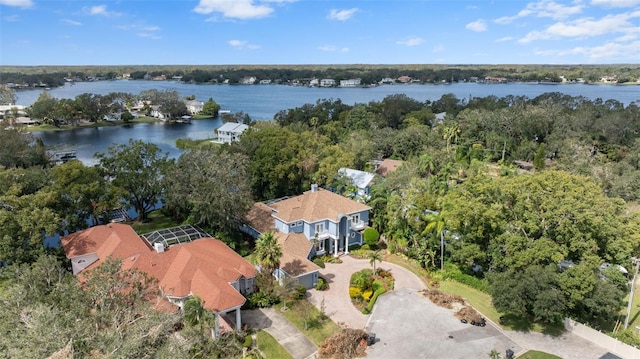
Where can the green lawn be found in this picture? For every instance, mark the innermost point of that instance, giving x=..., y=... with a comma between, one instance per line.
x=482, y=302
x=634, y=319
x=302, y=310
x=155, y=220
x=45, y=127
x=270, y=347
x=534, y=354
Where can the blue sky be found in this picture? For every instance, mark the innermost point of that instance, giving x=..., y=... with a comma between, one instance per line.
x=141, y=32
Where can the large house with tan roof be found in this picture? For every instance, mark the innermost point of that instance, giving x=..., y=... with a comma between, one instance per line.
x=205, y=267
x=316, y=222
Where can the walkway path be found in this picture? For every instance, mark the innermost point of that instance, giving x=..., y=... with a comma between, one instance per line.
x=296, y=343
x=336, y=300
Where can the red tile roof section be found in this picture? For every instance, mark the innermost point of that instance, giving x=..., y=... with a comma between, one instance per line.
x=204, y=267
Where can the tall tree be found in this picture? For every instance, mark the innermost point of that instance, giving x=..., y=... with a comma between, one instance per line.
x=268, y=252
x=83, y=194
x=436, y=225
x=210, y=188
x=210, y=108
x=137, y=168
x=7, y=95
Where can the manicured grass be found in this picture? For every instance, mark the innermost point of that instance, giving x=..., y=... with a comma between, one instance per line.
x=413, y=267
x=270, y=347
x=482, y=302
x=155, y=220
x=302, y=310
x=534, y=354
x=188, y=144
x=634, y=319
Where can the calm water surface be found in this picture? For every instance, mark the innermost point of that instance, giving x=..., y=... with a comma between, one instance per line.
x=264, y=101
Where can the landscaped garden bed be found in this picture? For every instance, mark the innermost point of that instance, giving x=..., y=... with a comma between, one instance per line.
x=365, y=287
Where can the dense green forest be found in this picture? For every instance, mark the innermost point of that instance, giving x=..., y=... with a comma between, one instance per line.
x=536, y=239
x=52, y=76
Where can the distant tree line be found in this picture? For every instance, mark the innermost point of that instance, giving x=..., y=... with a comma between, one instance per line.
x=370, y=74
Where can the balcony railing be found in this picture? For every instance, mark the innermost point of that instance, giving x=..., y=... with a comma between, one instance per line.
x=357, y=225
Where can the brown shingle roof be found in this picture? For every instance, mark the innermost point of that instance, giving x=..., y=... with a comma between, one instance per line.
x=387, y=166
x=313, y=206
x=205, y=267
x=295, y=249
x=259, y=218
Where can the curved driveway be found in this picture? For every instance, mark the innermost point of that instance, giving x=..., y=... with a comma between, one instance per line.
x=337, y=303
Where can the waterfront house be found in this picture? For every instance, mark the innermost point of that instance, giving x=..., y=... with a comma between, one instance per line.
x=205, y=267
x=350, y=83
x=193, y=106
x=230, y=132
x=327, y=83
x=316, y=222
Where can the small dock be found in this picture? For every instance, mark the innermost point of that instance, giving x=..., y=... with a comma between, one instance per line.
x=60, y=157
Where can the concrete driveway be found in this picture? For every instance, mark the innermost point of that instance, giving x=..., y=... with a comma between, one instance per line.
x=409, y=325
x=336, y=300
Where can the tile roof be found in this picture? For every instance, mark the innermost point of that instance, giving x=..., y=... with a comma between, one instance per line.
x=313, y=206
x=295, y=250
x=387, y=166
x=205, y=267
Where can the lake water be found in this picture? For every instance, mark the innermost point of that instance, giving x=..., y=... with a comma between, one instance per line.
x=264, y=101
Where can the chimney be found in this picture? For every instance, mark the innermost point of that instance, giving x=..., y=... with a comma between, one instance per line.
x=159, y=247
x=314, y=187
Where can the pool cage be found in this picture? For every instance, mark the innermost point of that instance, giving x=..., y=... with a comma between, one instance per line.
x=175, y=235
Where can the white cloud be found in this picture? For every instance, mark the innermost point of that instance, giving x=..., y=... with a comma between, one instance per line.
x=71, y=22
x=615, y=3
x=586, y=27
x=438, y=48
x=100, y=10
x=333, y=48
x=614, y=52
x=544, y=8
x=237, y=9
x=242, y=45
x=414, y=41
x=477, y=26
x=341, y=15
x=503, y=39
x=149, y=35
x=17, y=3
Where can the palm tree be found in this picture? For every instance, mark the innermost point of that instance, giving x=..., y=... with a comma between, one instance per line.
x=268, y=252
x=373, y=258
x=195, y=314
x=450, y=134
x=435, y=225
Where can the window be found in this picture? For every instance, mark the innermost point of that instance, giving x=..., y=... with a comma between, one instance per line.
x=80, y=261
x=319, y=228
x=320, y=245
x=292, y=225
x=355, y=219
x=299, y=223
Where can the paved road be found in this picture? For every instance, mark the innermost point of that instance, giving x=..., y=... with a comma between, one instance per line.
x=409, y=325
x=408, y=315
x=336, y=300
x=296, y=343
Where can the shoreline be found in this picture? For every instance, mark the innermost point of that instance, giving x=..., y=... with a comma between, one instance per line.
x=145, y=119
